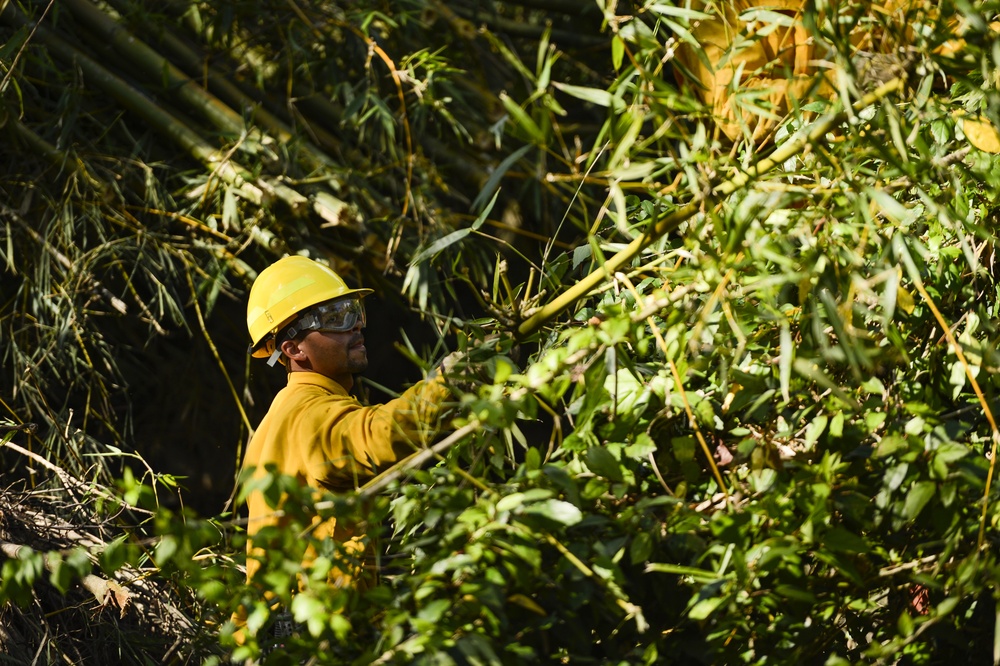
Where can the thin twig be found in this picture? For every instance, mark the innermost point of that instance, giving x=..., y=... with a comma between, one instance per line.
x=24, y=46
x=680, y=386
x=414, y=461
x=215, y=352
x=918, y=283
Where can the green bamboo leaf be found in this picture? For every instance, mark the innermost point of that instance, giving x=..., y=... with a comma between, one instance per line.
x=558, y=510
x=916, y=499
x=515, y=500
x=810, y=370
x=799, y=594
x=492, y=185
x=816, y=428
x=308, y=610
x=626, y=142
x=602, y=462
x=596, y=96
x=704, y=608
x=617, y=52
x=683, y=33
x=481, y=218
x=667, y=9
x=896, y=132
x=12, y=45
x=771, y=19
x=440, y=244
x=843, y=540
x=546, y=60
x=113, y=556
x=523, y=120
x=641, y=548
x=60, y=575
x=891, y=208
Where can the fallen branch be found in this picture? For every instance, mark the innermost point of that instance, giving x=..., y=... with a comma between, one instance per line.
x=104, y=590
x=68, y=480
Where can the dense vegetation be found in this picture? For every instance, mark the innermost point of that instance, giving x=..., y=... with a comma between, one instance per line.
x=728, y=395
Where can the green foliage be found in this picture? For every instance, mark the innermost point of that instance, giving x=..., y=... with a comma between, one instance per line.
x=764, y=432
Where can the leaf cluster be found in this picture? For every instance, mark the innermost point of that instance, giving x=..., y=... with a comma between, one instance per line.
x=733, y=398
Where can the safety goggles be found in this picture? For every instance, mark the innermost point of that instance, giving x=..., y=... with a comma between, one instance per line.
x=334, y=317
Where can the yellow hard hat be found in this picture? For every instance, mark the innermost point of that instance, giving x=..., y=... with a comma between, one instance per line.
x=282, y=291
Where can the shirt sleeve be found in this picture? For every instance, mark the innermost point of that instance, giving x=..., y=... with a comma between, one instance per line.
x=352, y=442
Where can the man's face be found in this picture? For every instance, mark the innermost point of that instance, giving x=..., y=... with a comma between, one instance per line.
x=333, y=344
x=338, y=356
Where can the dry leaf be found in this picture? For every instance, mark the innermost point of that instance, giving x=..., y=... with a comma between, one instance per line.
x=981, y=134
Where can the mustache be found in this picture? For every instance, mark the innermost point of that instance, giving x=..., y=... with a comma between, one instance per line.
x=356, y=339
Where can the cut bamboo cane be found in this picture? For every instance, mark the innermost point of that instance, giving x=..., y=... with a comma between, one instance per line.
x=138, y=103
x=811, y=135
x=314, y=157
x=313, y=107
x=141, y=56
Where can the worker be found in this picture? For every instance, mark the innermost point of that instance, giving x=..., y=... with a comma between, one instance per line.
x=302, y=314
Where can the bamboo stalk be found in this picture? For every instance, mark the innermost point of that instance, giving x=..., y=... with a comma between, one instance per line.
x=195, y=93
x=150, y=62
x=529, y=31
x=255, y=190
x=328, y=205
x=805, y=137
x=58, y=158
x=235, y=95
x=138, y=103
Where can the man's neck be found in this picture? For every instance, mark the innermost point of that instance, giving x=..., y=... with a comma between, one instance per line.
x=346, y=380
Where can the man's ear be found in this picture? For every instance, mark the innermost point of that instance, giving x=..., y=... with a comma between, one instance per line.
x=292, y=350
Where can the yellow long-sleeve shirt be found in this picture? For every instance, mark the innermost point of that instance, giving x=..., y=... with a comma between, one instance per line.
x=318, y=433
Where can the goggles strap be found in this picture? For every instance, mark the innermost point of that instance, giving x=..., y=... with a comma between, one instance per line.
x=275, y=355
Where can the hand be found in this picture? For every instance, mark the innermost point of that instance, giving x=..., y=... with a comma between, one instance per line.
x=450, y=362
x=460, y=372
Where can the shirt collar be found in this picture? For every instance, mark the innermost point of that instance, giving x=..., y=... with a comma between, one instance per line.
x=307, y=378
